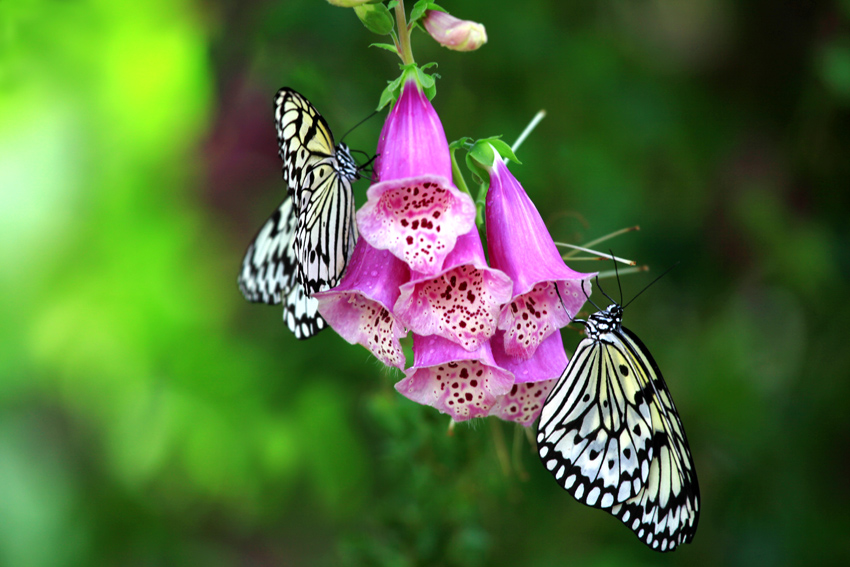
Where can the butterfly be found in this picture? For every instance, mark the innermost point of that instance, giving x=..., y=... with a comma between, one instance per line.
x=611, y=436
x=305, y=245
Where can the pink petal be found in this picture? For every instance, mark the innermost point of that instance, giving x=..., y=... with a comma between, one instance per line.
x=417, y=219
x=520, y=245
x=548, y=361
x=359, y=308
x=524, y=402
x=461, y=303
x=412, y=141
x=533, y=316
x=462, y=384
x=413, y=210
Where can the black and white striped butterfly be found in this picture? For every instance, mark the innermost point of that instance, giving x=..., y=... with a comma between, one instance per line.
x=611, y=436
x=305, y=245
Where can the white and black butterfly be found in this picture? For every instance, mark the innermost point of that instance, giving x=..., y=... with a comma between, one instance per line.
x=611, y=436
x=305, y=245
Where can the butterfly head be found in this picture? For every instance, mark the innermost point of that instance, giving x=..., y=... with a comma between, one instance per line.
x=347, y=166
x=606, y=321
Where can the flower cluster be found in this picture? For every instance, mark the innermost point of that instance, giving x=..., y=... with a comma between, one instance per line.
x=485, y=336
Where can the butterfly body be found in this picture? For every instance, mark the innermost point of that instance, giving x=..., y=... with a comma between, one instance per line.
x=611, y=436
x=304, y=247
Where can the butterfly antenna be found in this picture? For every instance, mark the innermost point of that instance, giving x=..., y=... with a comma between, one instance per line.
x=617, y=273
x=350, y=130
x=369, y=163
x=651, y=283
x=564, y=305
x=587, y=297
x=603, y=293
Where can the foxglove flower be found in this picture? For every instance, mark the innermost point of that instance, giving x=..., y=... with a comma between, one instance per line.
x=414, y=210
x=460, y=303
x=460, y=383
x=459, y=35
x=520, y=245
x=535, y=377
x=360, y=307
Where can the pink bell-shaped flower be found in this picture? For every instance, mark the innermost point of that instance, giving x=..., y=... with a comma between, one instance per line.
x=457, y=382
x=535, y=377
x=414, y=210
x=360, y=307
x=460, y=303
x=547, y=294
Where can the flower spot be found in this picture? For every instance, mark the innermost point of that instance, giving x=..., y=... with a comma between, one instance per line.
x=449, y=388
x=407, y=218
x=442, y=309
x=531, y=318
x=377, y=329
x=520, y=404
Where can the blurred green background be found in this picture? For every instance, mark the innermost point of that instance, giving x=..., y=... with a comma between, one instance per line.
x=150, y=416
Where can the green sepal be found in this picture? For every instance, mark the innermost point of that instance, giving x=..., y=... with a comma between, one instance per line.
x=479, y=172
x=376, y=18
x=426, y=81
x=482, y=179
x=504, y=150
x=462, y=144
x=482, y=151
x=392, y=92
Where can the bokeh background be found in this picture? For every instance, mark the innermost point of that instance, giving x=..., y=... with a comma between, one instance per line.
x=150, y=416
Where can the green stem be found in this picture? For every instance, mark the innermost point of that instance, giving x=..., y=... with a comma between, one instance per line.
x=481, y=203
x=403, y=34
x=457, y=175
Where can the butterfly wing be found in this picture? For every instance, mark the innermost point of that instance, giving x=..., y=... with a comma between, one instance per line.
x=326, y=227
x=304, y=247
x=303, y=136
x=612, y=439
x=270, y=273
x=666, y=513
x=593, y=435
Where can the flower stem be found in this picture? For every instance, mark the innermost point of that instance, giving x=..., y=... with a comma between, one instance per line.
x=403, y=34
x=531, y=126
x=457, y=175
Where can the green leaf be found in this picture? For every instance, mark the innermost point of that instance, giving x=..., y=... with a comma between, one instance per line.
x=431, y=91
x=376, y=18
x=392, y=4
x=387, y=46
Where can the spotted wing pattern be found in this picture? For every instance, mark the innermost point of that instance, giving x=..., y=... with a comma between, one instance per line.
x=303, y=137
x=306, y=244
x=269, y=273
x=611, y=436
x=326, y=229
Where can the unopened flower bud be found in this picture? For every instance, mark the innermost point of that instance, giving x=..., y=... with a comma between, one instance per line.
x=458, y=35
